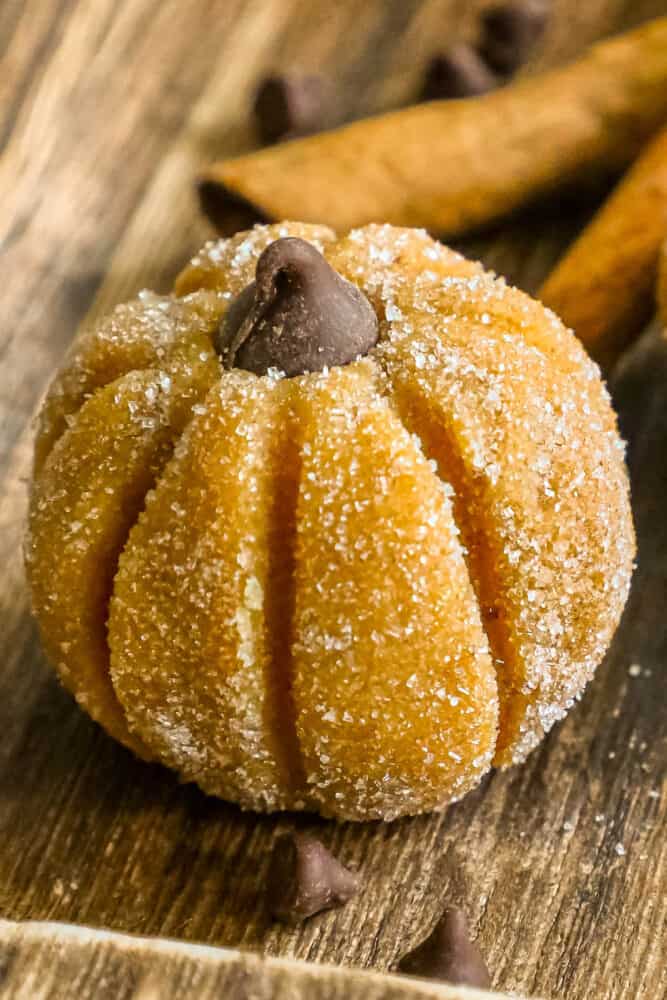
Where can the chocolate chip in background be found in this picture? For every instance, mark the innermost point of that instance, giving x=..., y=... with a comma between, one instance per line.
x=298, y=315
x=459, y=71
x=291, y=104
x=305, y=878
x=448, y=954
x=509, y=32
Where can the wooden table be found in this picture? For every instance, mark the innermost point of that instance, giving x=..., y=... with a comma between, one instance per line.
x=107, y=109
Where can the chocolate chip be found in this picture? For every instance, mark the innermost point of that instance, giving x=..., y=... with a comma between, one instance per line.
x=448, y=954
x=460, y=71
x=510, y=31
x=290, y=104
x=304, y=879
x=298, y=315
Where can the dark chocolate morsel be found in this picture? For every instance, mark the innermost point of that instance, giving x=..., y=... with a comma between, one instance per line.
x=298, y=315
x=304, y=879
x=291, y=104
x=510, y=31
x=448, y=954
x=460, y=71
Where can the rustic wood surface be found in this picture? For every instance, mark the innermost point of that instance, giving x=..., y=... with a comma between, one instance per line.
x=107, y=110
x=51, y=961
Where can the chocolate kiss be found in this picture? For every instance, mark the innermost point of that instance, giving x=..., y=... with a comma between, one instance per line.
x=298, y=315
x=304, y=879
x=448, y=954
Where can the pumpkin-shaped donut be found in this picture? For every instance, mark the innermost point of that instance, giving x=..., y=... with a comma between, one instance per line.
x=337, y=525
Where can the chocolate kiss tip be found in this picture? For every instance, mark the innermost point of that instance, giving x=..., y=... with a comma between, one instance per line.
x=448, y=954
x=227, y=210
x=299, y=315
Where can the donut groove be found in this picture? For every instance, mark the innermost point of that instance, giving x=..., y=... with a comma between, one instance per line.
x=478, y=547
x=280, y=709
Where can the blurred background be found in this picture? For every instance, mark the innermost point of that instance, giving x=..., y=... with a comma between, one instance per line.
x=108, y=109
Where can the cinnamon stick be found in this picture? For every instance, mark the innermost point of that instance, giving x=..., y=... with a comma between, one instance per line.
x=604, y=285
x=453, y=165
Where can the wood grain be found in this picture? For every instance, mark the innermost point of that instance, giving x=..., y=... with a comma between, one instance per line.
x=50, y=961
x=107, y=110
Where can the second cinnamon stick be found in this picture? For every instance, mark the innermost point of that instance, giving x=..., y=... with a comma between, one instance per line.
x=604, y=285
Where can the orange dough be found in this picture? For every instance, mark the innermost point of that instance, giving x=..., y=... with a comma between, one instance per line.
x=350, y=591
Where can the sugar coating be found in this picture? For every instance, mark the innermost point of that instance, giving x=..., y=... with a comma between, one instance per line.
x=349, y=591
x=393, y=683
x=104, y=437
x=150, y=331
x=187, y=626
